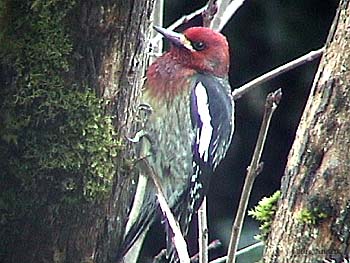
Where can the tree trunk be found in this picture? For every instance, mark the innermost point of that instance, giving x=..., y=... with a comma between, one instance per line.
x=122, y=71
x=46, y=215
x=312, y=222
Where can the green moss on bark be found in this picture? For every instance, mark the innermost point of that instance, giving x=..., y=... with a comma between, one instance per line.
x=58, y=148
x=265, y=212
x=317, y=209
x=56, y=143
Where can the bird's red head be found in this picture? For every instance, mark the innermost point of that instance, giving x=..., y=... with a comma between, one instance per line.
x=200, y=49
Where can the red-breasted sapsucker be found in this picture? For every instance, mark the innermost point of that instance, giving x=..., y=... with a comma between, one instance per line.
x=189, y=125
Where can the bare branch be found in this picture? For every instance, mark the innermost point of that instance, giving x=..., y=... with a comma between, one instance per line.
x=253, y=170
x=240, y=252
x=226, y=9
x=178, y=239
x=158, y=12
x=178, y=22
x=203, y=232
x=156, y=42
x=209, y=13
x=216, y=13
x=239, y=92
x=213, y=245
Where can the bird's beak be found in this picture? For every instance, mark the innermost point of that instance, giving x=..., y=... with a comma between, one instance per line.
x=174, y=38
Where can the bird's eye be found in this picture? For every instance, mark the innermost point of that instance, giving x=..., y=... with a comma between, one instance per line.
x=198, y=45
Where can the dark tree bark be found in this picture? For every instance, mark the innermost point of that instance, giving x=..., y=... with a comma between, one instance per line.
x=123, y=60
x=109, y=55
x=313, y=218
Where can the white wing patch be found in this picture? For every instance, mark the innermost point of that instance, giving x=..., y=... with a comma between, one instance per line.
x=204, y=114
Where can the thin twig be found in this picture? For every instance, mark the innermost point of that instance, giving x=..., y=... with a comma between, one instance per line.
x=203, y=232
x=213, y=245
x=220, y=12
x=178, y=239
x=239, y=92
x=226, y=9
x=239, y=252
x=158, y=14
x=209, y=13
x=156, y=42
x=253, y=170
x=178, y=22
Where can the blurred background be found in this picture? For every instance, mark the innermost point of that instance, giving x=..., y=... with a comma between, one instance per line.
x=262, y=35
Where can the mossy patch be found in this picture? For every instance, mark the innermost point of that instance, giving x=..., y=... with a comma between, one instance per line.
x=311, y=217
x=57, y=145
x=318, y=207
x=265, y=212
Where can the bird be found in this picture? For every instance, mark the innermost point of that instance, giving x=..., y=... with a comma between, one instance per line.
x=188, y=125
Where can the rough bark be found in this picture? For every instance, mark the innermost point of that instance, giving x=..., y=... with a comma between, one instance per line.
x=109, y=40
x=313, y=218
x=113, y=35
x=120, y=80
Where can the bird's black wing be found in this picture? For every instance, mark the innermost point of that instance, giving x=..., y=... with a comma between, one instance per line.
x=212, y=115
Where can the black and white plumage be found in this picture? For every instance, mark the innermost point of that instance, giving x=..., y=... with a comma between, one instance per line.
x=212, y=116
